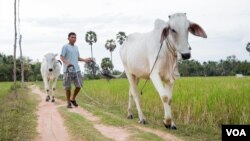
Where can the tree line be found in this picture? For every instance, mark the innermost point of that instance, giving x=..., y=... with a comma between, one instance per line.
x=227, y=67
x=31, y=68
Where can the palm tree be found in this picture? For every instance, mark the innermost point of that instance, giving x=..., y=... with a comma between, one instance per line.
x=90, y=37
x=120, y=37
x=110, y=45
x=248, y=47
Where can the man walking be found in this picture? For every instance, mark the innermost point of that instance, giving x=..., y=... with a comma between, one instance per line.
x=70, y=57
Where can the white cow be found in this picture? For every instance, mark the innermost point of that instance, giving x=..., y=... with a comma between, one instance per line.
x=139, y=53
x=50, y=70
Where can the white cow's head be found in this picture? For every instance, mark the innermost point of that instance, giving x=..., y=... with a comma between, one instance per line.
x=177, y=30
x=50, y=59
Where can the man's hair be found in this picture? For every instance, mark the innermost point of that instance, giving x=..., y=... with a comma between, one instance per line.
x=71, y=33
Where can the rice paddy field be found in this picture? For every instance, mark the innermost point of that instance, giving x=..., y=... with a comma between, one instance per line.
x=200, y=105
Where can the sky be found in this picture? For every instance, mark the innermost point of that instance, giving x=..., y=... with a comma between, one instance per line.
x=44, y=25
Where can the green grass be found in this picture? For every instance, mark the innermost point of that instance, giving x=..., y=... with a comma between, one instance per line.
x=144, y=136
x=80, y=128
x=199, y=105
x=5, y=88
x=17, y=116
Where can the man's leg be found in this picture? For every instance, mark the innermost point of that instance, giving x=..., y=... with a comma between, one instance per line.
x=77, y=89
x=68, y=94
x=78, y=84
x=67, y=87
x=73, y=99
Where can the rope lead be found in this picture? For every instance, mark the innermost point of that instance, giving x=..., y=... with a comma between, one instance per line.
x=151, y=69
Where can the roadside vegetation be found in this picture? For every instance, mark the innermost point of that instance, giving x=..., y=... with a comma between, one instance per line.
x=17, y=115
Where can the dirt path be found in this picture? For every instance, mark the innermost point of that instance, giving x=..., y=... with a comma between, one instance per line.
x=50, y=123
x=120, y=133
x=112, y=132
x=164, y=135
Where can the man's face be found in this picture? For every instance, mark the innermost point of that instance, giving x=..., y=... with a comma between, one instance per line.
x=72, y=39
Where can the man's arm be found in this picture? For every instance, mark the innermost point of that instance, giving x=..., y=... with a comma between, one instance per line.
x=63, y=53
x=65, y=61
x=87, y=60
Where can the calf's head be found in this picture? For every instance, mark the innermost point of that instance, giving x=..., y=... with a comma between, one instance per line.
x=50, y=59
x=177, y=30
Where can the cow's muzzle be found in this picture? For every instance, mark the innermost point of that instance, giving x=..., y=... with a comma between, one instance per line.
x=185, y=56
x=50, y=70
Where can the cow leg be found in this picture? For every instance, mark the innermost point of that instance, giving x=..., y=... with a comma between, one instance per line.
x=130, y=112
x=133, y=90
x=130, y=103
x=53, y=98
x=168, y=121
x=46, y=86
x=53, y=90
x=166, y=95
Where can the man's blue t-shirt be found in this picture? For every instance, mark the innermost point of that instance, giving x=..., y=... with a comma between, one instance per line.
x=70, y=53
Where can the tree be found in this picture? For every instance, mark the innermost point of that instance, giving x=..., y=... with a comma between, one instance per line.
x=31, y=69
x=14, y=55
x=90, y=38
x=110, y=45
x=20, y=45
x=6, y=67
x=107, y=65
x=120, y=37
x=191, y=68
x=248, y=47
x=91, y=71
x=21, y=59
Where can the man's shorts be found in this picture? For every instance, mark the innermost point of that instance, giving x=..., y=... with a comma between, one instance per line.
x=72, y=76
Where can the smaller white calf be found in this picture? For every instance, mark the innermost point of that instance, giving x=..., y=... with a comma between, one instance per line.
x=50, y=70
x=239, y=75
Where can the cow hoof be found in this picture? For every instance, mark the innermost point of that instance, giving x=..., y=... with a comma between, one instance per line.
x=142, y=121
x=173, y=127
x=130, y=116
x=47, y=98
x=167, y=126
x=53, y=100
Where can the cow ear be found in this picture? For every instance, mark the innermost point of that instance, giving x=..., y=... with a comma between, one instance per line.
x=197, y=30
x=164, y=33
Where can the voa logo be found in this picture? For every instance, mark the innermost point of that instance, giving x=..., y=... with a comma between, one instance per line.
x=236, y=132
